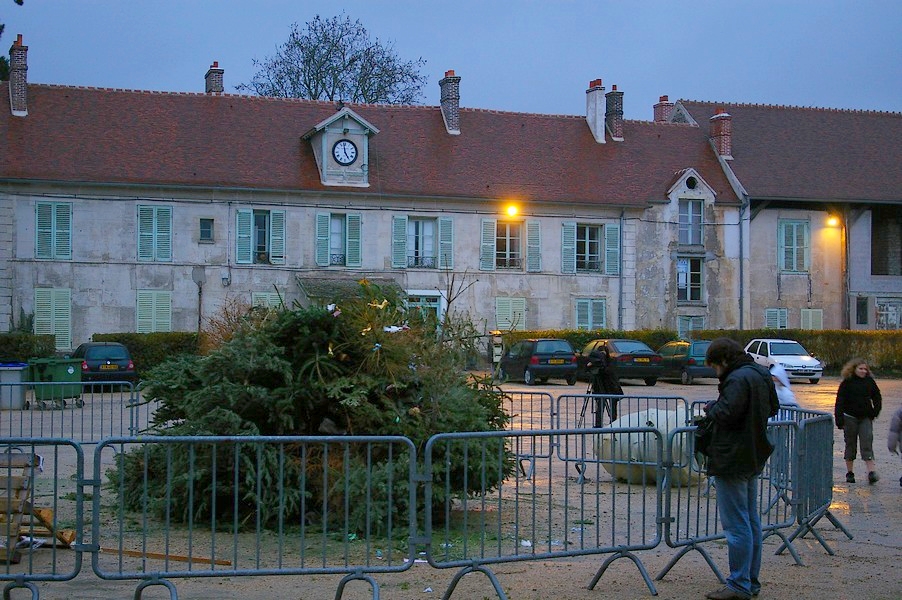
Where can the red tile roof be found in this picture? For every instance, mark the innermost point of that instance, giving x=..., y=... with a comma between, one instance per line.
x=94, y=135
x=812, y=153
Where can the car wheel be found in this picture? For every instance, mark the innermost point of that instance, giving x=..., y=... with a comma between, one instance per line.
x=543, y=380
x=814, y=380
x=651, y=381
x=571, y=380
x=685, y=378
x=501, y=375
x=529, y=378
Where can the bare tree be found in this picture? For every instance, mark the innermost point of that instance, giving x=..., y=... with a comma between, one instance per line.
x=335, y=59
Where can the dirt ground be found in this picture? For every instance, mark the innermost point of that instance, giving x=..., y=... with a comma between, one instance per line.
x=865, y=567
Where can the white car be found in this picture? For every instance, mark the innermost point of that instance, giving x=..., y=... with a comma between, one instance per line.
x=799, y=364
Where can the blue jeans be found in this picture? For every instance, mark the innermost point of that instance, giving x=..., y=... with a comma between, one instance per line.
x=737, y=505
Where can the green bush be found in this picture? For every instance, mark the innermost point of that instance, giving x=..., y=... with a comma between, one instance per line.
x=19, y=347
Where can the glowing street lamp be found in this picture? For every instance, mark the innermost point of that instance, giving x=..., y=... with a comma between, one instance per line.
x=511, y=210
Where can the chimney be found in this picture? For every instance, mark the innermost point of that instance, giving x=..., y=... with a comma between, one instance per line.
x=613, y=115
x=18, y=78
x=722, y=132
x=663, y=110
x=213, y=79
x=594, y=115
x=450, y=99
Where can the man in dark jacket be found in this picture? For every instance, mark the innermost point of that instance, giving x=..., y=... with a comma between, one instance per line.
x=739, y=448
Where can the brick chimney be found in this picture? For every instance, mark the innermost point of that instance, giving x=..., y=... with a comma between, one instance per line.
x=594, y=108
x=450, y=99
x=213, y=79
x=663, y=110
x=722, y=132
x=18, y=78
x=613, y=114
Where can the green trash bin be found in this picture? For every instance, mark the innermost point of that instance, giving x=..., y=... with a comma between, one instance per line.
x=56, y=370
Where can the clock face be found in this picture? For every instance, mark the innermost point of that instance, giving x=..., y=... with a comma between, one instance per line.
x=344, y=152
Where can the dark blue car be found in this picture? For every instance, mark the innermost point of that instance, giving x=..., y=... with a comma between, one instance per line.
x=685, y=360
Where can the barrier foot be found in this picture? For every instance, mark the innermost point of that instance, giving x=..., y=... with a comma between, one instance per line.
x=786, y=545
x=465, y=571
x=807, y=527
x=173, y=594
x=9, y=587
x=832, y=518
x=527, y=473
x=682, y=553
x=636, y=561
x=355, y=576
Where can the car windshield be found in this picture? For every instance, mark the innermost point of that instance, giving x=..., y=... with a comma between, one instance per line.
x=787, y=349
x=553, y=346
x=629, y=346
x=107, y=353
x=700, y=348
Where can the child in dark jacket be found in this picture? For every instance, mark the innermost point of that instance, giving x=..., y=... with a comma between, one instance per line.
x=858, y=403
x=894, y=438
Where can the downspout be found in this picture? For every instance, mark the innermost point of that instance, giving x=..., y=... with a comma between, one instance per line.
x=742, y=209
x=620, y=278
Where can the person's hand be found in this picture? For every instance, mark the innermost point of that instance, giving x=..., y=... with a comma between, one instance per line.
x=709, y=405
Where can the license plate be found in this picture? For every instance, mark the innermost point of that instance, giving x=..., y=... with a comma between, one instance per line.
x=109, y=367
x=642, y=360
x=555, y=361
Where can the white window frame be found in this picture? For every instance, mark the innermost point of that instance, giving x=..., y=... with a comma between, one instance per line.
x=348, y=240
x=591, y=313
x=154, y=233
x=609, y=262
x=888, y=313
x=246, y=228
x=793, y=253
x=692, y=222
x=412, y=249
x=509, y=245
x=53, y=230
x=687, y=324
x=435, y=300
x=776, y=318
x=510, y=314
x=690, y=283
x=200, y=230
x=589, y=251
x=153, y=311
x=53, y=315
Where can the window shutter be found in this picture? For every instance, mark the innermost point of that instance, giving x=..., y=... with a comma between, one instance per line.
x=398, y=242
x=154, y=311
x=162, y=314
x=612, y=249
x=503, y=315
x=43, y=311
x=53, y=315
x=599, y=314
x=568, y=247
x=533, y=247
x=322, y=239
x=518, y=313
x=145, y=312
x=266, y=299
x=353, y=250
x=582, y=314
x=145, y=233
x=277, y=237
x=775, y=318
x=812, y=318
x=487, y=246
x=63, y=234
x=243, y=234
x=43, y=242
x=163, y=237
x=445, y=243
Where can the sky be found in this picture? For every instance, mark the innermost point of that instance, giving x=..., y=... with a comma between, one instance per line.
x=533, y=56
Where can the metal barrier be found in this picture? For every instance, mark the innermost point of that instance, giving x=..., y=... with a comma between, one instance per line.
x=80, y=411
x=530, y=411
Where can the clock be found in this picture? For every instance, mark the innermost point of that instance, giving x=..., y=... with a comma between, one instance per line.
x=344, y=152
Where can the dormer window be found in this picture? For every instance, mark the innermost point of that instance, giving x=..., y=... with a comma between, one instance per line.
x=341, y=147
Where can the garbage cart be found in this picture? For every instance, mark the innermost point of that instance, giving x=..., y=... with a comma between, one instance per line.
x=12, y=392
x=55, y=380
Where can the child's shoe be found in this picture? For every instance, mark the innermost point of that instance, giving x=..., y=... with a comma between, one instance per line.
x=873, y=477
x=850, y=477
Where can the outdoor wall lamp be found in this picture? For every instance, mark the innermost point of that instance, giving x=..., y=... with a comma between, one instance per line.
x=511, y=210
x=833, y=221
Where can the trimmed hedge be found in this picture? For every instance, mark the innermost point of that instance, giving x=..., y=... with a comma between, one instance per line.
x=150, y=349
x=19, y=347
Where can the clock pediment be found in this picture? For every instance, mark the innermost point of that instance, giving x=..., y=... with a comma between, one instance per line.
x=340, y=144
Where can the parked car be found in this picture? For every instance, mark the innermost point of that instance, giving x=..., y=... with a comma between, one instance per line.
x=797, y=361
x=539, y=360
x=629, y=359
x=685, y=360
x=105, y=361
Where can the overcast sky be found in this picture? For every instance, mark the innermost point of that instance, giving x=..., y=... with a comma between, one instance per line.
x=528, y=55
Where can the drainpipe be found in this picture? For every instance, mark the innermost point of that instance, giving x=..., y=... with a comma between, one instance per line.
x=620, y=278
x=742, y=208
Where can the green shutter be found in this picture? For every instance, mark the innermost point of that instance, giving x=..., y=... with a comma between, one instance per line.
x=145, y=312
x=266, y=299
x=244, y=226
x=612, y=249
x=163, y=237
x=277, y=237
x=63, y=231
x=43, y=243
x=599, y=314
x=145, y=233
x=353, y=250
x=154, y=311
x=568, y=247
x=487, y=245
x=53, y=315
x=43, y=311
x=398, y=242
x=445, y=243
x=322, y=239
x=533, y=247
x=583, y=314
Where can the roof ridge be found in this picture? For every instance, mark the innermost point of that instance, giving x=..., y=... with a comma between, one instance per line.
x=792, y=107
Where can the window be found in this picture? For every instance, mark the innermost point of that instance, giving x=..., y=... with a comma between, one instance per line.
x=889, y=314
x=686, y=325
x=429, y=303
x=154, y=311
x=205, y=234
x=861, y=310
x=260, y=237
x=590, y=248
x=591, y=313
x=266, y=299
x=689, y=279
x=812, y=318
x=502, y=246
x=154, y=233
x=338, y=240
x=794, y=245
x=776, y=318
x=53, y=230
x=886, y=241
x=53, y=315
x=421, y=242
x=510, y=314
x=691, y=222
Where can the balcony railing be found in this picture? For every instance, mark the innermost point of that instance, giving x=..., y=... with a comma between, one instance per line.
x=423, y=262
x=508, y=263
x=336, y=259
